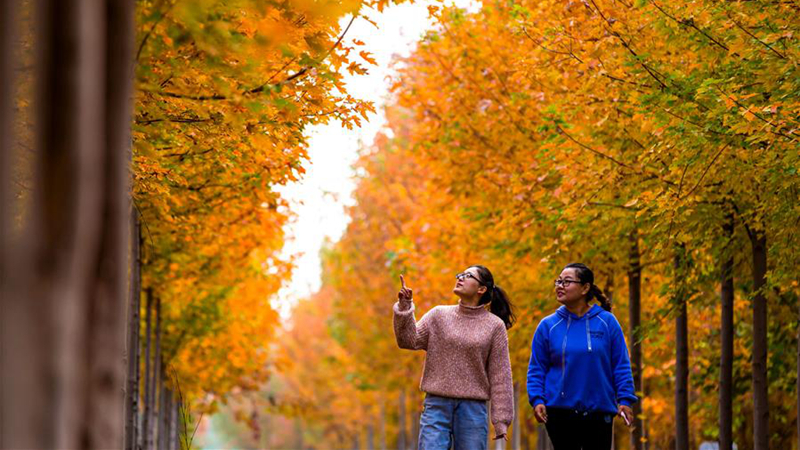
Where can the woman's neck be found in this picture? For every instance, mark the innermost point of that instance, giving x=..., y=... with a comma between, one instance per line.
x=470, y=301
x=578, y=308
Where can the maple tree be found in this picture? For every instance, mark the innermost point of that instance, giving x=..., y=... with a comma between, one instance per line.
x=224, y=93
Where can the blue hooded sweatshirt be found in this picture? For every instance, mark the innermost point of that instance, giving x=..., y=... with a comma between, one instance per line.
x=580, y=363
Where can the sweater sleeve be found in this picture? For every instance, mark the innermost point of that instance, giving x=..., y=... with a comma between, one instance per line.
x=500, y=382
x=410, y=334
x=621, y=366
x=539, y=365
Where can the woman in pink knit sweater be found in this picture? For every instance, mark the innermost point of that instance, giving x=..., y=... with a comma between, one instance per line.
x=466, y=364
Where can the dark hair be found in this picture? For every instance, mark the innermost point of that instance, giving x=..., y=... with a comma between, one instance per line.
x=585, y=275
x=496, y=297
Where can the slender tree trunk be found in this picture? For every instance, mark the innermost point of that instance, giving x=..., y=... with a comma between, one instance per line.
x=634, y=319
x=175, y=436
x=645, y=424
x=609, y=291
x=515, y=431
x=415, y=428
x=370, y=437
x=760, y=403
x=298, y=426
x=163, y=408
x=157, y=382
x=105, y=419
x=132, y=390
x=681, y=359
x=529, y=432
x=542, y=439
x=148, y=379
x=382, y=422
x=165, y=430
x=402, y=442
x=726, y=344
x=8, y=36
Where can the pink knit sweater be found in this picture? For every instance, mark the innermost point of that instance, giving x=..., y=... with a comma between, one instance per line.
x=467, y=355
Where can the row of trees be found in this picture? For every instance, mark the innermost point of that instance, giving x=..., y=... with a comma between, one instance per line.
x=656, y=142
x=225, y=91
x=141, y=144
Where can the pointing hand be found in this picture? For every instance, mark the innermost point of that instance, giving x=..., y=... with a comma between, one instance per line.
x=405, y=293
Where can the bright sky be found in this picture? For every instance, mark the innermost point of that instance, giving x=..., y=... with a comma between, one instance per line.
x=320, y=198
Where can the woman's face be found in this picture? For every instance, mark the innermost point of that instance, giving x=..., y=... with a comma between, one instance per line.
x=569, y=288
x=467, y=284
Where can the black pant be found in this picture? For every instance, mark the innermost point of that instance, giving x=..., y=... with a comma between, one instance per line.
x=573, y=430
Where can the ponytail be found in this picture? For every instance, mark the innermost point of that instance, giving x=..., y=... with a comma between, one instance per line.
x=501, y=306
x=597, y=294
x=585, y=275
x=499, y=303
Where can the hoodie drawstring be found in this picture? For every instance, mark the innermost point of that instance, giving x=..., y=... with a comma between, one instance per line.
x=564, y=356
x=588, y=335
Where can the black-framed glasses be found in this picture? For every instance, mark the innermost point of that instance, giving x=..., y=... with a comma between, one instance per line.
x=464, y=275
x=565, y=283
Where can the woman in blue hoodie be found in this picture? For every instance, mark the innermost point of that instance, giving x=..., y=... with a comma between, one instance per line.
x=579, y=376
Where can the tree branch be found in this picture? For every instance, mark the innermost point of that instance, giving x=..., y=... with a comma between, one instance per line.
x=611, y=158
x=759, y=116
x=738, y=25
x=704, y=173
x=263, y=86
x=690, y=23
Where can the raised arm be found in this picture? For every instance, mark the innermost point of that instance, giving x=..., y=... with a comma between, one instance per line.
x=410, y=334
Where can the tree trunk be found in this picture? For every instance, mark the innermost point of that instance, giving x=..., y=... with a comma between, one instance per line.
x=107, y=309
x=10, y=381
x=681, y=358
x=528, y=441
x=148, y=379
x=298, y=426
x=402, y=442
x=132, y=389
x=726, y=344
x=163, y=408
x=542, y=439
x=515, y=431
x=157, y=382
x=175, y=436
x=64, y=275
x=634, y=319
x=415, y=428
x=760, y=404
x=370, y=444
x=382, y=422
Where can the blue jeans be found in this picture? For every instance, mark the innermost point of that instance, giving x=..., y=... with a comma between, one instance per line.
x=455, y=423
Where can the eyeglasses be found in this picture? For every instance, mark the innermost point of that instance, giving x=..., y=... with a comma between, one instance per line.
x=565, y=283
x=464, y=275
